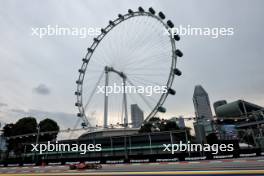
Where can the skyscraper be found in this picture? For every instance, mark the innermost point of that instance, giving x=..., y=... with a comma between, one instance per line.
x=137, y=116
x=201, y=103
x=203, y=111
x=181, y=122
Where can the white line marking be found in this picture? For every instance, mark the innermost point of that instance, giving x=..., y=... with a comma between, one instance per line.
x=25, y=171
x=155, y=163
x=212, y=162
x=61, y=166
x=10, y=172
x=239, y=161
x=136, y=164
x=194, y=162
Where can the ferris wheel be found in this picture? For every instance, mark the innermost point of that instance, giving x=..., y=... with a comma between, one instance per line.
x=136, y=50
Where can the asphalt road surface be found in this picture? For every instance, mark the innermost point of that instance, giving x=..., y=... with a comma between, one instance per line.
x=248, y=166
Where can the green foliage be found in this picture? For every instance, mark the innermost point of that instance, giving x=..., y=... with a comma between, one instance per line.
x=157, y=124
x=145, y=128
x=8, y=130
x=48, y=125
x=154, y=119
x=25, y=125
x=22, y=126
x=28, y=125
x=170, y=126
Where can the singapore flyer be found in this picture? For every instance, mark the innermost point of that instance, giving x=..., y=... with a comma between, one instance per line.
x=132, y=50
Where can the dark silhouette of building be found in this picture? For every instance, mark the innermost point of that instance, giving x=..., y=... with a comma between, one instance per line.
x=201, y=103
x=219, y=103
x=204, y=117
x=137, y=116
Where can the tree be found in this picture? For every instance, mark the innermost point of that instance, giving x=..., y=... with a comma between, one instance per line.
x=8, y=130
x=48, y=125
x=154, y=119
x=157, y=124
x=170, y=126
x=25, y=125
x=28, y=125
x=145, y=128
x=22, y=126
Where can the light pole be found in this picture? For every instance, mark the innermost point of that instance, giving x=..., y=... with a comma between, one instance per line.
x=106, y=96
x=37, y=141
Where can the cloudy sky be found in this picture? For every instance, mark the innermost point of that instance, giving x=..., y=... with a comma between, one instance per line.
x=37, y=75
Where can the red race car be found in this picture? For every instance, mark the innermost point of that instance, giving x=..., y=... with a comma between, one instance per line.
x=83, y=165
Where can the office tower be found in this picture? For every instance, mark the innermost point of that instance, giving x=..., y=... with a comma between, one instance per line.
x=203, y=111
x=137, y=116
x=201, y=103
x=180, y=122
x=200, y=133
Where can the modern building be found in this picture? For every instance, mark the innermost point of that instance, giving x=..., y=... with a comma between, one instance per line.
x=115, y=132
x=219, y=103
x=240, y=120
x=201, y=103
x=137, y=116
x=237, y=109
x=179, y=121
x=203, y=112
x=200, y=133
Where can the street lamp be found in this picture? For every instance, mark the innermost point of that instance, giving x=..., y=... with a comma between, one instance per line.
x=37, y=141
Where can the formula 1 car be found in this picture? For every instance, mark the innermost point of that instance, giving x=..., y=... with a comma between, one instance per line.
x=83, y=165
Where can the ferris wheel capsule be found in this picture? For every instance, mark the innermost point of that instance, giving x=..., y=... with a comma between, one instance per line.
x=140, y=9
x=178, y=53
x=152, y=11
x=161, y=15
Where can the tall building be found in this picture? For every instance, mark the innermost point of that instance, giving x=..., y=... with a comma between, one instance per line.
x=181, y=122
x=137, y=116
x=203, y=111
x=200, y=132
x=201, y=103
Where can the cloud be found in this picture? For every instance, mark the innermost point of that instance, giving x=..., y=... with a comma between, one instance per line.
x=42, y=89
x=3, y=105
x=19, y=111
x=65, y=120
